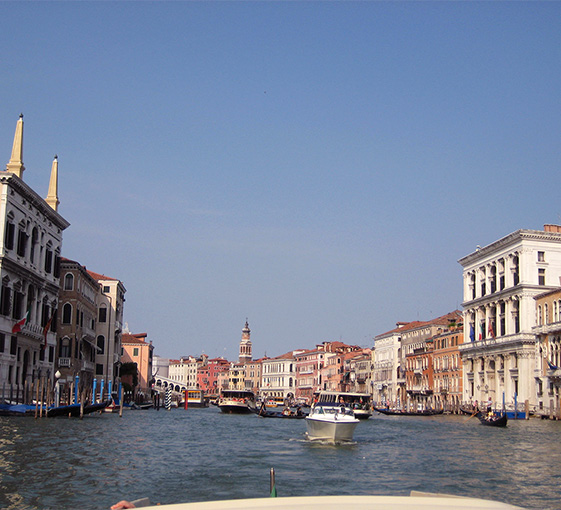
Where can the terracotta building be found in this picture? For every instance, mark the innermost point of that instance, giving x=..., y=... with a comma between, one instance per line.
x=137, y=350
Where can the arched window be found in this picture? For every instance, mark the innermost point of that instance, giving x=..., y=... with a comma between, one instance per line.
x=67, y=314
x=101, y=344
x=69, y=281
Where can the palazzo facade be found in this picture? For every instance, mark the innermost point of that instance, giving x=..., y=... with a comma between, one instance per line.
x=500, y=282
x=30, y=247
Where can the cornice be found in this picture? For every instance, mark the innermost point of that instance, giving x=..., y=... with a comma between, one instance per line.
x=33, y=198
x=518, y=236
x=520, y=291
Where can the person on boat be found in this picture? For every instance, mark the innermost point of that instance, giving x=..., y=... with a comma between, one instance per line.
x=489, y=405
x=121, y=505
x=137, y=503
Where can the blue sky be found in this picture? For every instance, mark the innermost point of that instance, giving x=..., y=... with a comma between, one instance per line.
x=315, y=167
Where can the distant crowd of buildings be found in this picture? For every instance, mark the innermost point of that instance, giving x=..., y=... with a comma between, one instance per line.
x=63, y=323
x=504, y=346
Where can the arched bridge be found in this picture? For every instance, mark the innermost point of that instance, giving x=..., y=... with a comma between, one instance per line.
x=162, y=383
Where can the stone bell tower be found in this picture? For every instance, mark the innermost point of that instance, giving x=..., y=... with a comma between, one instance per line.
x=245, y=345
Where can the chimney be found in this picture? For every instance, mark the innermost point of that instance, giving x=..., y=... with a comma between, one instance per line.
x=552, y=228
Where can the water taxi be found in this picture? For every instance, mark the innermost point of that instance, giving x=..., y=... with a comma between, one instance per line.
x=361, y=403
x=331, y=422
x=237, y=402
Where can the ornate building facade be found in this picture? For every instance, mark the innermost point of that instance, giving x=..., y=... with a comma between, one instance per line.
x=501, y=281
x=30, y=247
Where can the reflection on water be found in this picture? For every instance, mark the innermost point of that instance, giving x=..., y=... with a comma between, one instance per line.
x=201, y=454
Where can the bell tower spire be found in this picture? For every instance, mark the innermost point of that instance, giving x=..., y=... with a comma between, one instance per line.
x=52, y=196
x=245, y=355
x=15, y=165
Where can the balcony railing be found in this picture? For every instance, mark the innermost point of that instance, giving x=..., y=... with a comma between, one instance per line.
x=63, y=362
x=88, y=366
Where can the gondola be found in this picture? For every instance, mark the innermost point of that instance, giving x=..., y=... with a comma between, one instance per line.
x=493, y=420
x=397, y=412
x=275, y=414
x=74, y=409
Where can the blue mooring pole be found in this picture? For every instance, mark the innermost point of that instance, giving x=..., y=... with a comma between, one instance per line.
x=76, y=389
x=101, y=390
x=94, y=390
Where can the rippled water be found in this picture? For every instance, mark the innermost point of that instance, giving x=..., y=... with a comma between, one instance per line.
x=201, y=454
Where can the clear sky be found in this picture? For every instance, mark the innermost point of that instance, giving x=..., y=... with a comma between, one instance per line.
x=315, y=167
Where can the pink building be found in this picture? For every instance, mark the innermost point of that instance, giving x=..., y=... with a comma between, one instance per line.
x=137, y=350
x=211, y=375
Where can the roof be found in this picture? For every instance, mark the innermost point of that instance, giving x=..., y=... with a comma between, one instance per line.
x=408, y=326
x=98, y=276
x=138, y=338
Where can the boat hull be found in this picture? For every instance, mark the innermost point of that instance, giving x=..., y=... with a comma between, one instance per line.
x=332, y=431
x=363, y=414
x=235, y=408
x=495, y=421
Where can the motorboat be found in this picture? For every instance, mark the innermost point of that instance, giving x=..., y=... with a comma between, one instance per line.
x=415, y=501
x=361, y=403
x=237, y=402
x=331, y=422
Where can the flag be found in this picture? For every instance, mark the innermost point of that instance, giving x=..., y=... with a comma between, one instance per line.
x=471, y=333
x=491, y=331
x=481, y=331
x=551, y=365
x=18, y=326
x=46, y=331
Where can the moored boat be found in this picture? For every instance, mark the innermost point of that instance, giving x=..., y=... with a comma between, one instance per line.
x=17, y=409
x=237, y=402
x=402, y=412
x=331, y=422
x=196, y=398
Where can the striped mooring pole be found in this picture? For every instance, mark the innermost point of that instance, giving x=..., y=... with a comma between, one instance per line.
x=167, y=403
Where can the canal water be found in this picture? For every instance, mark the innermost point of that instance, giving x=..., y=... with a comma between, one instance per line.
x=200, y=455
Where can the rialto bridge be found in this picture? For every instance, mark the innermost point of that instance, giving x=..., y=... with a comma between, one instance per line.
x=162, y=383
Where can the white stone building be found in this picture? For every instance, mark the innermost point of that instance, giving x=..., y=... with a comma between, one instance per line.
x=30, y=248
x=386, y=380
x=500, y=283
x=184, y=371
x=278, y=377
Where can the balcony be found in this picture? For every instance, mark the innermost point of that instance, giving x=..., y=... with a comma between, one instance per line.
x=88, y=366
x=64, y=362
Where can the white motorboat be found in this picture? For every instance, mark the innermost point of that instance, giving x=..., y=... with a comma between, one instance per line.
x=361, y=403
x=416, y=501
x=237, y=402
x=331, y=422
